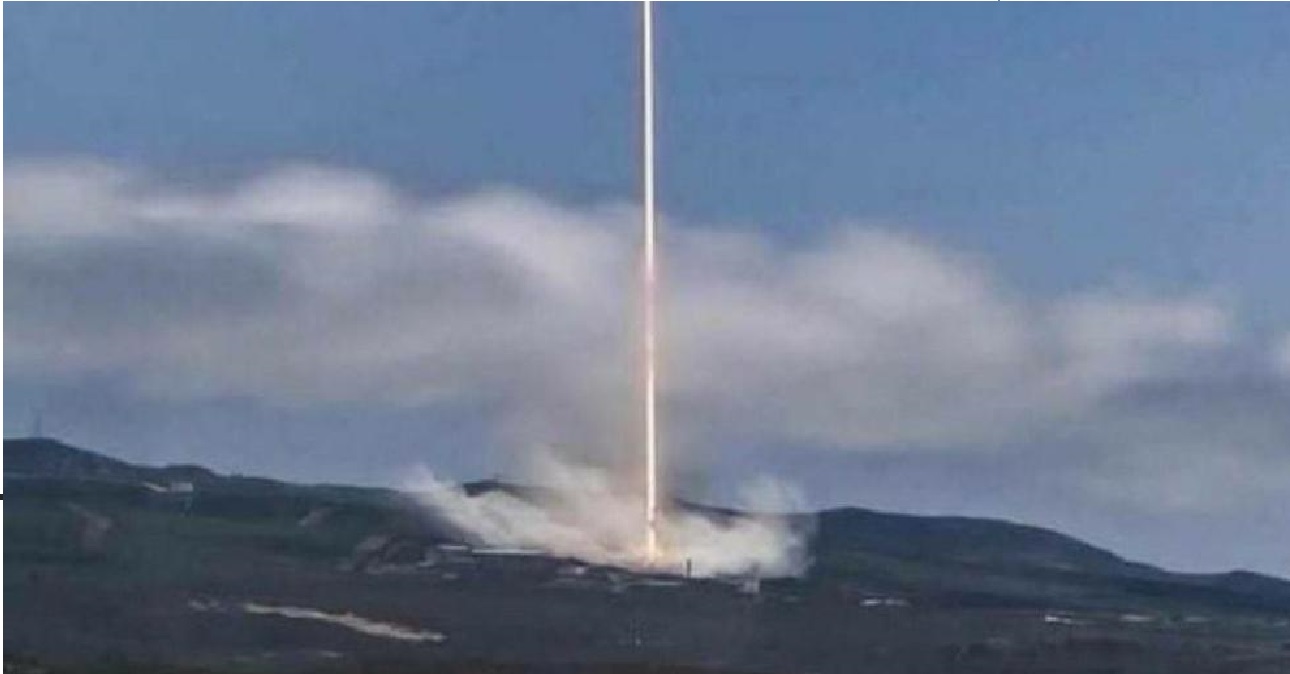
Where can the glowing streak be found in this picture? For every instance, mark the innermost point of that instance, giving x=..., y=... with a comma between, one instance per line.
x=650, y=280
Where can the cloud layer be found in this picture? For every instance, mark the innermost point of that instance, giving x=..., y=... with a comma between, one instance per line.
x=313, y=286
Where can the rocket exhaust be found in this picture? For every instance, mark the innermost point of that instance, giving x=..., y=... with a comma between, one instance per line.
x=650, y=281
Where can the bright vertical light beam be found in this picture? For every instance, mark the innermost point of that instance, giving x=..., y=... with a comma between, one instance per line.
x=649, y=281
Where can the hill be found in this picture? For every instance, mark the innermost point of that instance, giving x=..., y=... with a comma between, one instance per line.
x=182, y=565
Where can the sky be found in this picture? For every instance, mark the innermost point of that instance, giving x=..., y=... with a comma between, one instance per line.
x=998, y=260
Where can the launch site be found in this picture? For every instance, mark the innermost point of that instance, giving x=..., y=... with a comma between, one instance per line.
x=646, y=337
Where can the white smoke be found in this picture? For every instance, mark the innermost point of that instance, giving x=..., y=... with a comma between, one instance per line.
x=586, y=513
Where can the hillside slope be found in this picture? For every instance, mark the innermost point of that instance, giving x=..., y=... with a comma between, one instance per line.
x=104, y=558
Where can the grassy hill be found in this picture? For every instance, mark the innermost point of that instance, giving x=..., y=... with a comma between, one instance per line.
x=105, y=559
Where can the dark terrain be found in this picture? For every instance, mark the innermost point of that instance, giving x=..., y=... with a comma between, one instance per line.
x=116, y=567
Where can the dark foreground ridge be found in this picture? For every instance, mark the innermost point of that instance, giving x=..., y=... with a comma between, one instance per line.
x=112, y=566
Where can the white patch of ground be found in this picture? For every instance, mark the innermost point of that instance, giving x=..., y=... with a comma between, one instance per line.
x=347, y=620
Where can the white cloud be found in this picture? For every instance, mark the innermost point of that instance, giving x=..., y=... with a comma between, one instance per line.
x=309, y=285
x=67, y=198
x=1111, y=340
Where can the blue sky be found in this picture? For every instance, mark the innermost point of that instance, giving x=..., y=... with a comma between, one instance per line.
x=1067, y=142
x=1110, y=150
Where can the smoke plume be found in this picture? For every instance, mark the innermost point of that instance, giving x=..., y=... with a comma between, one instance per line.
x=585, y=512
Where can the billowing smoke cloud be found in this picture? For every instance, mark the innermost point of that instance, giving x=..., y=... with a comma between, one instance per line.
x=590, y=514
x=311, y=287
